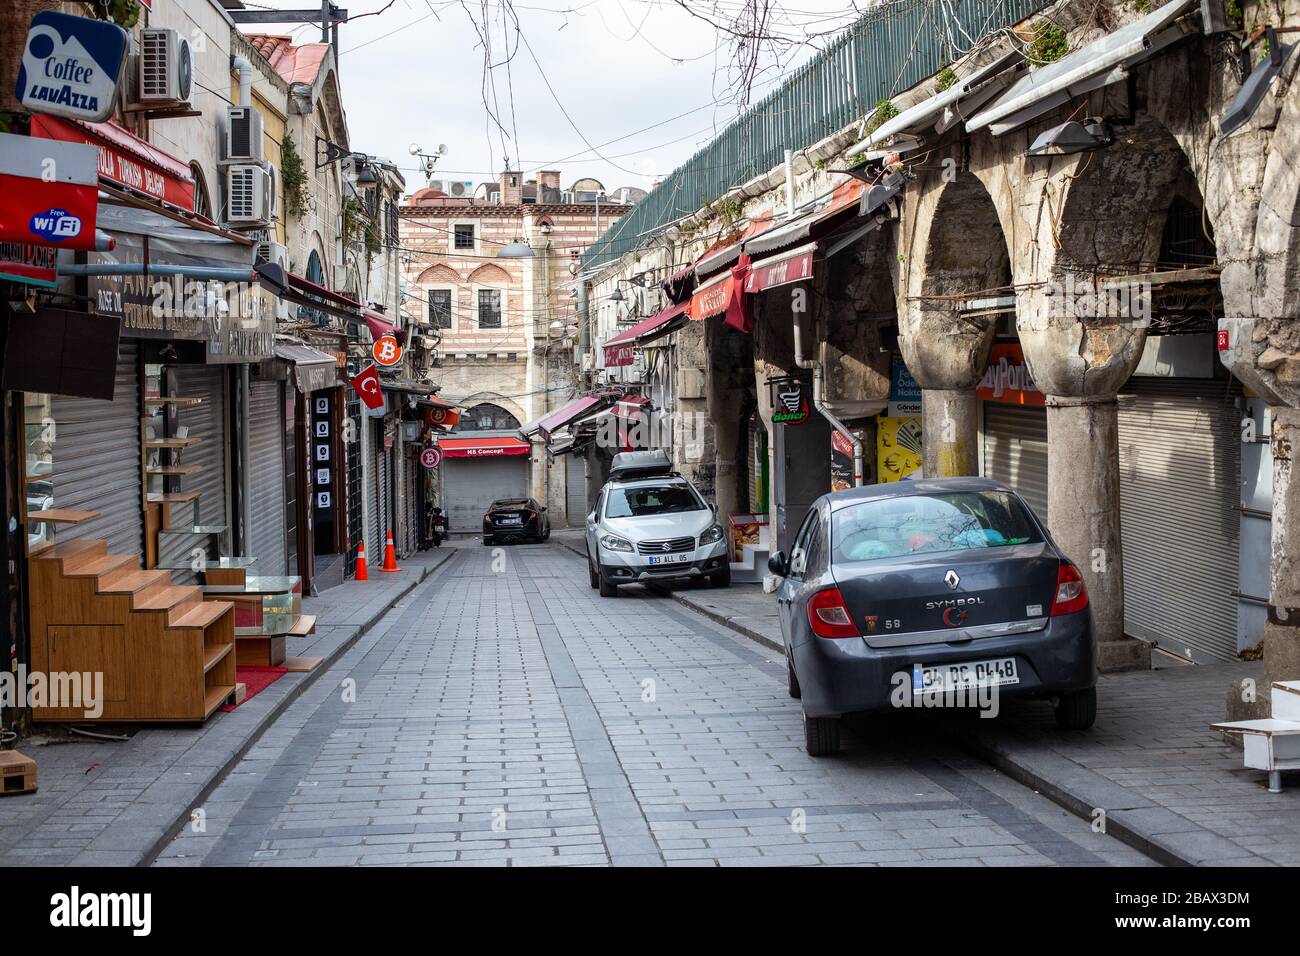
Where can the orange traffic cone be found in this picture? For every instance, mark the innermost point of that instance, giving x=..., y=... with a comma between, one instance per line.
x=362, y=573
x=390, y=555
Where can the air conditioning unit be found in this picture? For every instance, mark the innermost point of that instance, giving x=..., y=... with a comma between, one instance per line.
x=250, y=196
x=459, y=190
x=243, y=135
x=166, y=67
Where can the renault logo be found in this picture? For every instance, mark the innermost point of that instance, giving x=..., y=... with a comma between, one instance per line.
x=951, y=579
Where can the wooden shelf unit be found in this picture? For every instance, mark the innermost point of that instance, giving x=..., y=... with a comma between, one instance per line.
x=166, y=654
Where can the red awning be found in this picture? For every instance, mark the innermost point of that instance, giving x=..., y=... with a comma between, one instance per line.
x=567, y=413
x=726, y=252
x=846, y=196
x=380, y=326
x=482, y=447
x=783, y=268
x=124, y=158
x=630, y=405
x=713, y=298
x=618, y=350
x=311, y=288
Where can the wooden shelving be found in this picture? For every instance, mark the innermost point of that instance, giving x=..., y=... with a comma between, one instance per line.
x=60, y=516
x=172, y=471
x=170, y=442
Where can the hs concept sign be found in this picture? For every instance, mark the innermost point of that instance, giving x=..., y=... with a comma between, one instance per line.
x=71, y=66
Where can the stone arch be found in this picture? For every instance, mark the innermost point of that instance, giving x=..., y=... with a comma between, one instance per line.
x=494, y=398
x=490, y=274
x=439, y=273
x=496, y=416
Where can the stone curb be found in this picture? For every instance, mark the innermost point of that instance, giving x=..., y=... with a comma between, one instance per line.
x=220, y=773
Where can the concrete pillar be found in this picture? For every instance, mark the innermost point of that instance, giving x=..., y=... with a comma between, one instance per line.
x=730, y=356
x=950, y=431
x=1080, y=365
x=947, y=354
x=1282, y=632
x=537, y=470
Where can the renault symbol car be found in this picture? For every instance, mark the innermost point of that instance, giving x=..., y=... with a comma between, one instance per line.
x=651, y=524
x=922, y=591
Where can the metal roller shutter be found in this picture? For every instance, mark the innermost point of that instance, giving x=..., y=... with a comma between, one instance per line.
x=266, y=492
x=472, y=484
x=1015, y=451
x=96, y=460
x=410, y=504
x=575, y=490
x=374, y=484
x=1179, y=451
x=207, y=422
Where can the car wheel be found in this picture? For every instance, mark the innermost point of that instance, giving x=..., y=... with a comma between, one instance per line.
x=592, y=576
x=791, y=679
x=487, y=541
x=821, y=735
x=1077, y=711
x=721, y=579
x=607, y=589
x=547, y=535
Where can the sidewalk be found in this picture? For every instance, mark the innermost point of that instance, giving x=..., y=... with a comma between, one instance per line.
x=116, y=803
x=1168, y=785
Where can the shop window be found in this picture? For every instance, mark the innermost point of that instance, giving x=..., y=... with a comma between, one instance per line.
x=440, y=308
x=489, y=308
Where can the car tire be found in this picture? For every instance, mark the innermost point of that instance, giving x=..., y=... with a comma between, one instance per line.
x=821, y=735
x=791, y=679
x=606, y=589
x=1077, y=711
x=721, y=579
x=487, y=541
x=592, y=577
x=547, y=535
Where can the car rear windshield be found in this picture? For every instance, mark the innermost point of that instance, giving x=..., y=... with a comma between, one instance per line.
x=923, y=524
x=652, y=500
x=510, y=503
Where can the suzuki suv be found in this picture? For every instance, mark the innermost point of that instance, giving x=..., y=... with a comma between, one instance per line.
x=650, y=524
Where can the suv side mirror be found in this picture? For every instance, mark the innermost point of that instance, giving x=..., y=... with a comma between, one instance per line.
x=778, y=564
x=713, y=506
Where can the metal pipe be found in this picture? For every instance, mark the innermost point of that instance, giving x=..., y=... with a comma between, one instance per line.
x=218, y=273
x=820, y=404
x=245, y=69
x=789, y=184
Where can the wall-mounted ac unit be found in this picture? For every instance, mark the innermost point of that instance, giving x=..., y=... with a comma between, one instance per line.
x=460, y=190
x=166, y=67
x=250, y=196
x=243, y=135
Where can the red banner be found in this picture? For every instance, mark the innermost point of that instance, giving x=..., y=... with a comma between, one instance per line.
x=768, y=274
x=619, y=355
x=33, y=265
x=125, y=159
x=713, y=299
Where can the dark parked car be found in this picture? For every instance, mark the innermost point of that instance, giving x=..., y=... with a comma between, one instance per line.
x=938, y=586
x=514, y=519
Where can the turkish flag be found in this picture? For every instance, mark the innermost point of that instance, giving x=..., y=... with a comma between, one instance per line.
x=368, y=387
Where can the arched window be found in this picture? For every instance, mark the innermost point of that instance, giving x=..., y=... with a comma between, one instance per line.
x=202, y=198
x=316, y=274
x=486, y=417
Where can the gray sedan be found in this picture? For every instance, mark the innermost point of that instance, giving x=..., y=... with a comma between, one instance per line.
x=938, y=592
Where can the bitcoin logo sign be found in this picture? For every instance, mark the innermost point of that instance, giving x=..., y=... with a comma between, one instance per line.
x=386, y=351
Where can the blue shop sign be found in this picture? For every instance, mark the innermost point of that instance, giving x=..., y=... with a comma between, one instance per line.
x=71, y=66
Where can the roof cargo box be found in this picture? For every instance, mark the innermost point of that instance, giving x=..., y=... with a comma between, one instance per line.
x=632, y=465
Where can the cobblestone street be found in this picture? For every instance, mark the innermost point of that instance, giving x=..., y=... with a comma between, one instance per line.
x=508, y=715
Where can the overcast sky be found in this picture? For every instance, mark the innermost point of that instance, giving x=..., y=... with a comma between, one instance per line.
x=415, y=74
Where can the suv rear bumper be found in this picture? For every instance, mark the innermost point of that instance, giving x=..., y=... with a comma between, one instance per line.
x=845, y=675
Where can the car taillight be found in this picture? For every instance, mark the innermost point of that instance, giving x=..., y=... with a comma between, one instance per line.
x=1071, y=595
x=829, y=616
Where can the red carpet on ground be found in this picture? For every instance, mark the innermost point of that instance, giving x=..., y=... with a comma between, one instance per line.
x=256, y=679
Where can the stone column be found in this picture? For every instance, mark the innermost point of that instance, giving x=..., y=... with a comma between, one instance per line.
x=730, y=355
x=693, y=438
x=946, y=354
x=537, y=464
x=1080, y=365
x=1265, y=355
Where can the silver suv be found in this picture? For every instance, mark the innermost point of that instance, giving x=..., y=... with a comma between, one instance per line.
x=650, y=524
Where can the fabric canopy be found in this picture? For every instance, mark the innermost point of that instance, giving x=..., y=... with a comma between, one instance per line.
x=845, y=196
x=312, y=368
x=618, y=350
x=380, y=326
x=553, y=421
x=482, y=447
x=727, y=252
